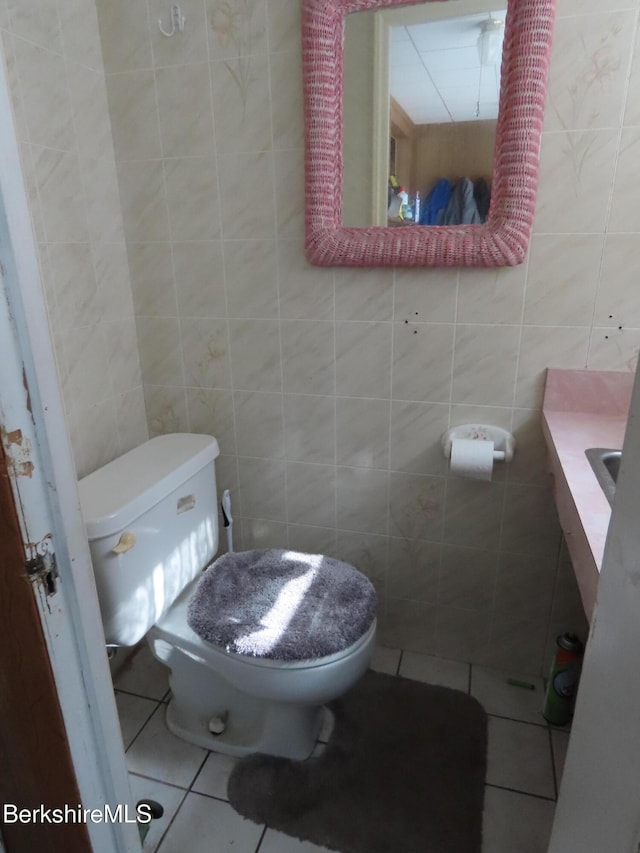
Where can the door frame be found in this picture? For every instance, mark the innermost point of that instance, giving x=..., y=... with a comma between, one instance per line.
x=34, y=751
x=44, y=488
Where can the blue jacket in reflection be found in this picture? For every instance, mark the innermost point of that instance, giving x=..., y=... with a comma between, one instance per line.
x=435, y=203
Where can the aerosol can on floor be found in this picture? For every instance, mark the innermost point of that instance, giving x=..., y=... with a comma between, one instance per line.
x=563, y=680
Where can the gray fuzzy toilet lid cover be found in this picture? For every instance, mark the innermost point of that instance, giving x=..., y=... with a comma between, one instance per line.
x=281, y=605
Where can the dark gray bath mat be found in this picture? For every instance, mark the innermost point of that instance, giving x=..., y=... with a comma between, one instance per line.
x=403, y=772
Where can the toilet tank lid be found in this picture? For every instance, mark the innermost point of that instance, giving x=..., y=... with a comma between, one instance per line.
x=121, y=491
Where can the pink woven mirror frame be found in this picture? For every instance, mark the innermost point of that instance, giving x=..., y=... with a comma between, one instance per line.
x=503, y=239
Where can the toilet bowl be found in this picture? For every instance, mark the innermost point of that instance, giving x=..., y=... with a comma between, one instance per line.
x=152, y=524
x=269, y=706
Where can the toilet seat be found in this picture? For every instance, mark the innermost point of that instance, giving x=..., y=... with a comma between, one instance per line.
x=281, y=604
x=174, y=629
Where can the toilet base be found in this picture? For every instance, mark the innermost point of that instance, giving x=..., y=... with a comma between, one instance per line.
x=286, y=731
x=252, y=724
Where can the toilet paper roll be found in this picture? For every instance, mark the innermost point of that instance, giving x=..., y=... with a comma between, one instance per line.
x=472, y=457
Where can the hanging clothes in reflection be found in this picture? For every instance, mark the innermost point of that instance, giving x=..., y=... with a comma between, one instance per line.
x=435, y=204
x=482, y=196
x=463, y=203
x=462, y=208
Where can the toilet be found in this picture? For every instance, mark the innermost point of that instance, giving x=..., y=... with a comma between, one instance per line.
x=278, y=634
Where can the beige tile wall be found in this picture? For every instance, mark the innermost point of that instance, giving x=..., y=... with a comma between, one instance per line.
x=329, y=389
x=56, y=77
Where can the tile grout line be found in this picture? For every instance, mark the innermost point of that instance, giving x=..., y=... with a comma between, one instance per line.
x=286, y=486
x=144, y=725
x=182, y=801
x=174, y=785
x=210, y=797
x=553, y=761
x=399, y=662
x=517, y=720
x=139, y=775
x=170, y=824
x=519, y=791
x=198, y=772
x=261, y=839
x=140, y=695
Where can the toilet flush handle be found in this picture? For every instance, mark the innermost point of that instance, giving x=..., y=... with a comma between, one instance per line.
x=125, y=543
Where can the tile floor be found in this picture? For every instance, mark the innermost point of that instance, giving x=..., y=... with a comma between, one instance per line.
x=525, y=762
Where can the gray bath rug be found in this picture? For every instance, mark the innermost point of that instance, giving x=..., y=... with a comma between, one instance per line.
x=403, y=772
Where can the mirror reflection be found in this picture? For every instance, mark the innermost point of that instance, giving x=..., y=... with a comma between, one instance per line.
x=421, y=104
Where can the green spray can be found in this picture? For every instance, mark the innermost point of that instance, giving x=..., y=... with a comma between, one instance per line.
x=563, y=680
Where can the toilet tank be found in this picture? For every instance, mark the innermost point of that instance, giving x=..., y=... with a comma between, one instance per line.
x=152, y=523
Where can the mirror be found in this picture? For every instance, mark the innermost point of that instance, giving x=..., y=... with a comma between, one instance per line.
x=504, y=237
x=426, y=81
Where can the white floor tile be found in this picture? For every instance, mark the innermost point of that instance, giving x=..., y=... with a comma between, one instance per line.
x=434, y=670
x=491, y=688
x=168, y=797
x=203, y=825
x=560, y=742
x=385, y=660
x=143, y=675
x=515, y=823
x=277, y=842
x=133, y=712
x=519, y=756
x=161, y=755
x=213, y=777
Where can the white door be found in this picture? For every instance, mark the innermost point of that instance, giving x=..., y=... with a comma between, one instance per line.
x=44, y=487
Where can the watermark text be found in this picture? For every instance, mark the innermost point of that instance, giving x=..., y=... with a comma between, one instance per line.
x=122, y=813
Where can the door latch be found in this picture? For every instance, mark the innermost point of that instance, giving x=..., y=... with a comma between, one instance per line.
x=42, y=569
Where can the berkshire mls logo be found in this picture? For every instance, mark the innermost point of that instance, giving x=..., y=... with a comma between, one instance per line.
x=122, y=813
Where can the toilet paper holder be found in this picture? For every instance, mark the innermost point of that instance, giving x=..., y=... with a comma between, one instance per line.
x=504, y=444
